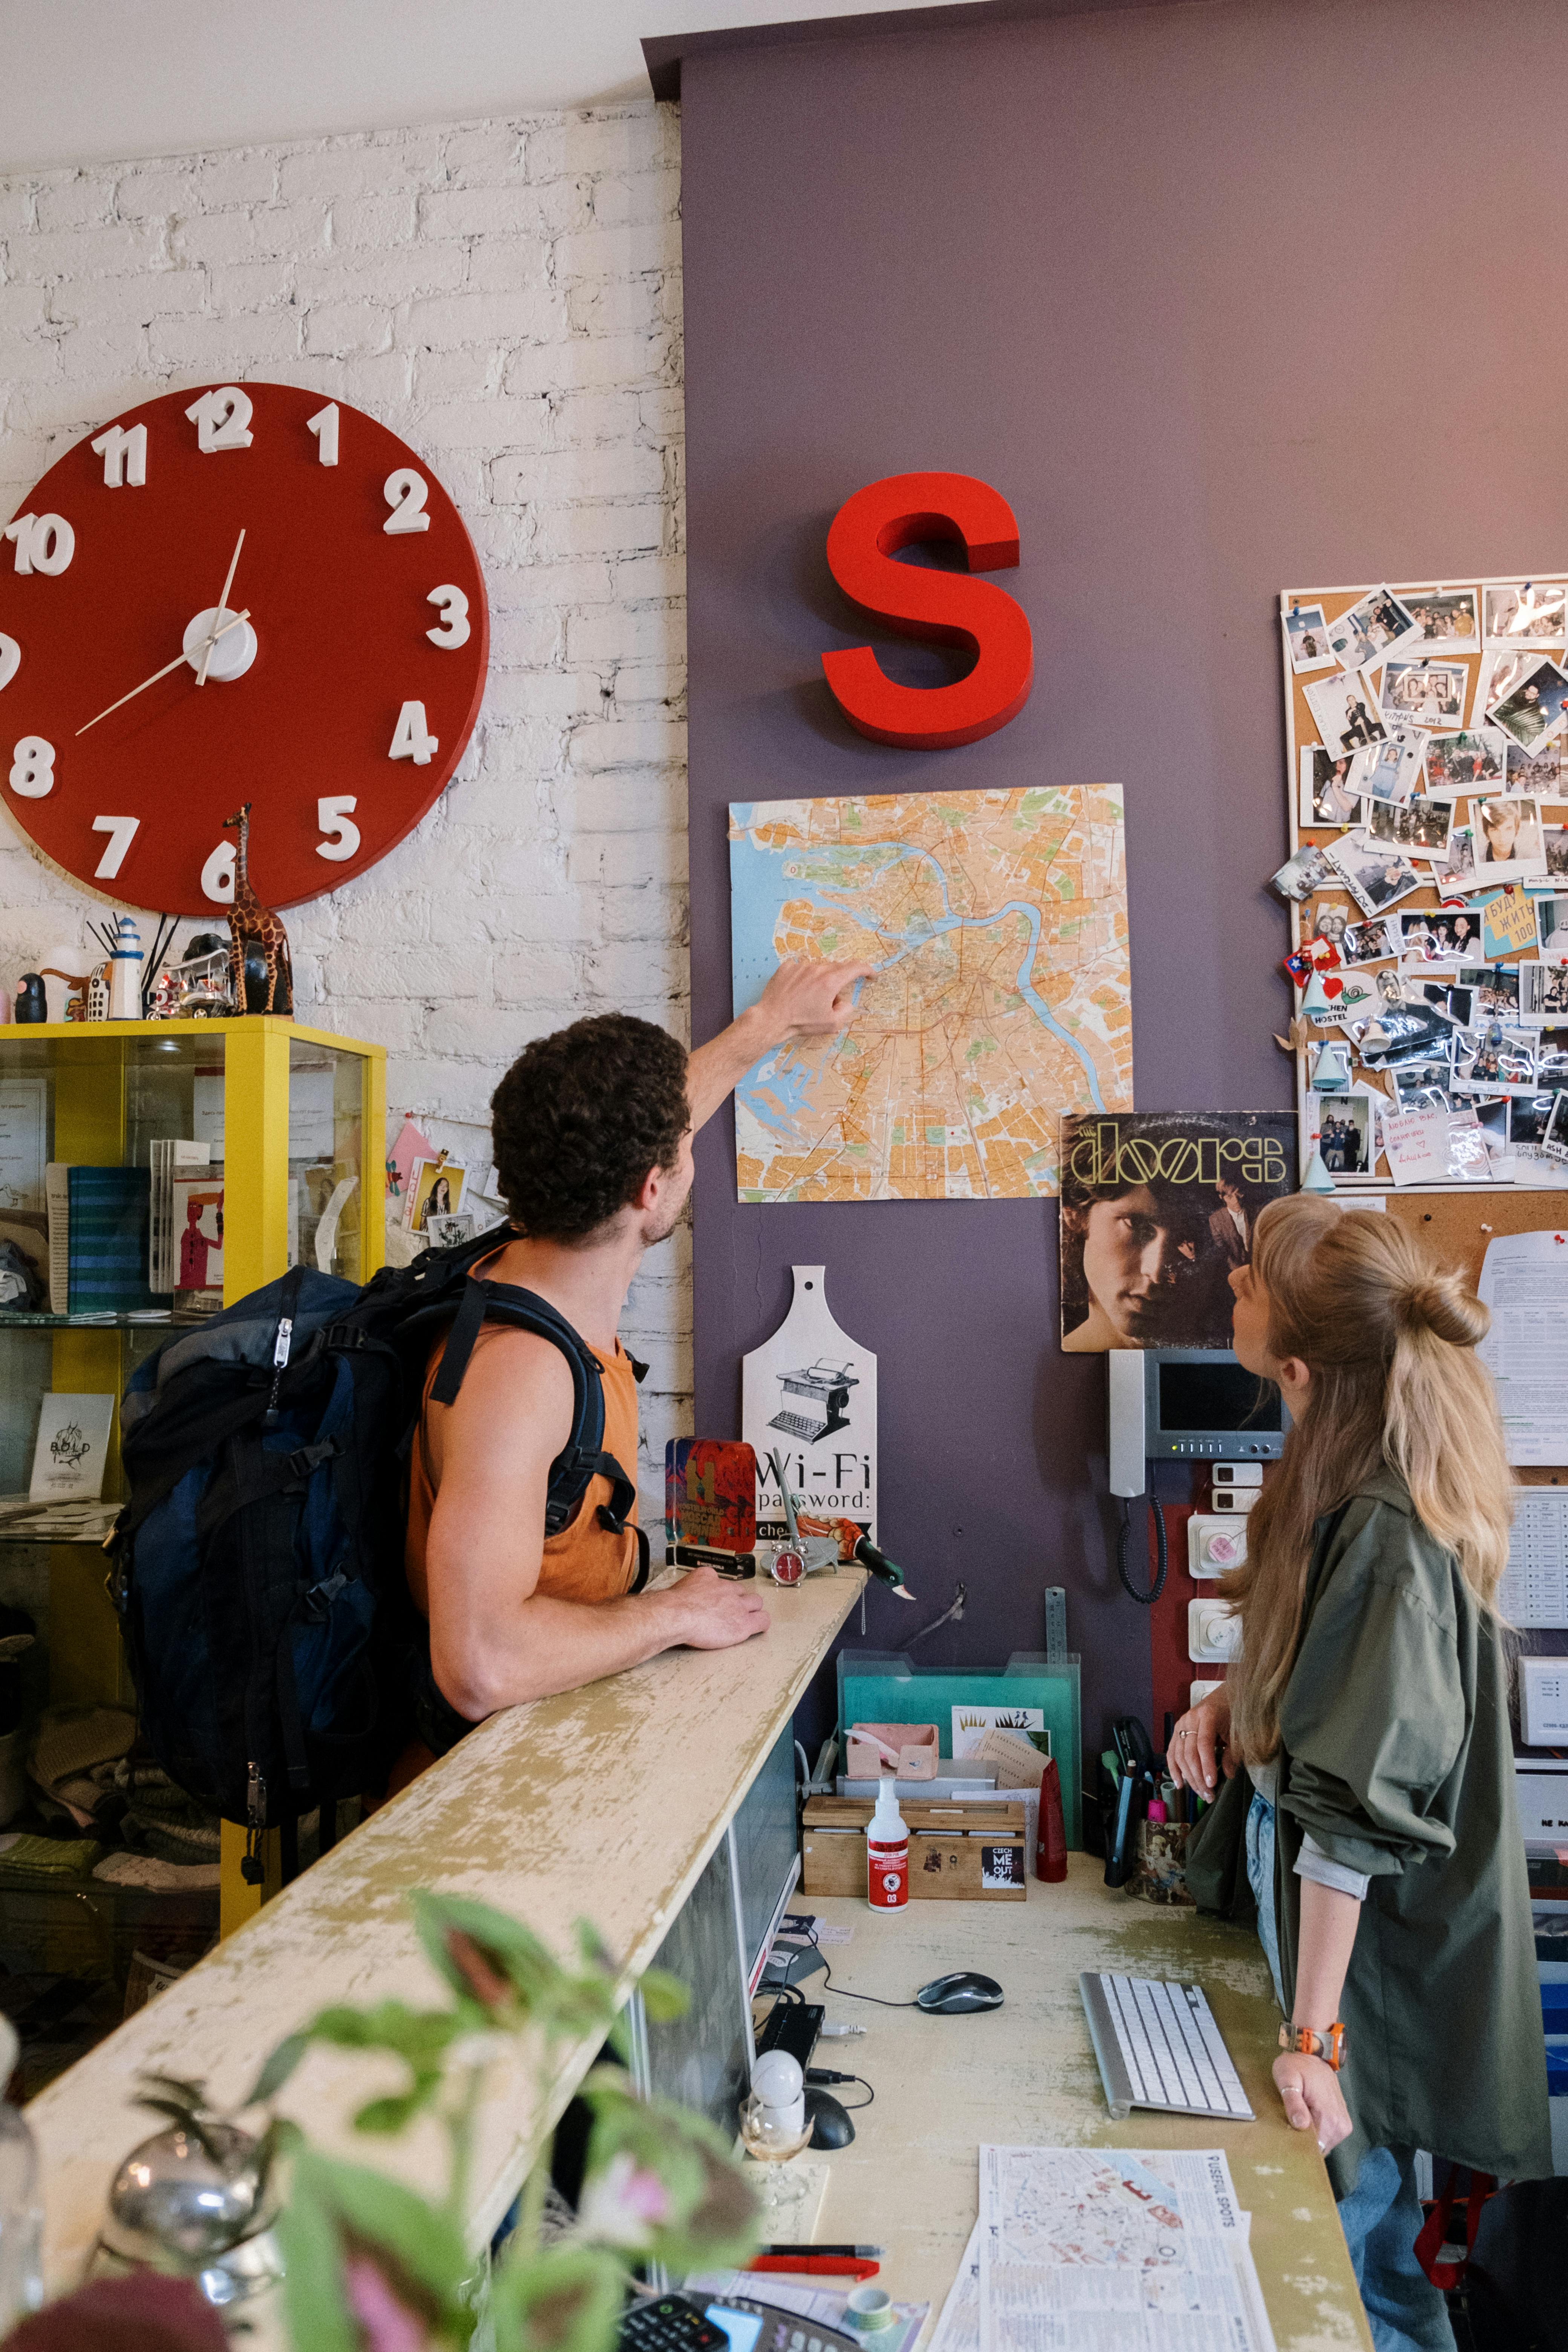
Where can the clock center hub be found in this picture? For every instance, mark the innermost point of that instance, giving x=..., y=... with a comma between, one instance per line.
x=232, y=653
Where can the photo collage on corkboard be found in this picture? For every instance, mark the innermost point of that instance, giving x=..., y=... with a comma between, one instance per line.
x=1426, y=773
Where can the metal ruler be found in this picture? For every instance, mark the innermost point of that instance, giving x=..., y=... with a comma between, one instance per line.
x=1056, y=1625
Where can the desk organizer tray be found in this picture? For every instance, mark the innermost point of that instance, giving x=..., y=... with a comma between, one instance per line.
x=889, y=1689
x=975, y=1853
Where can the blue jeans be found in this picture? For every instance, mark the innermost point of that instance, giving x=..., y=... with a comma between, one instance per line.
x=1382, y=2216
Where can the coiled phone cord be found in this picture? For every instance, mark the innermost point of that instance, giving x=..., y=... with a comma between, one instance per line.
x=1163, y=1550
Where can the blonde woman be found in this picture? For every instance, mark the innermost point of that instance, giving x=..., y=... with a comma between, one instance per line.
x=1369, y=1713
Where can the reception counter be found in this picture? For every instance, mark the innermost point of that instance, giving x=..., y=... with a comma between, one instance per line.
x=611, y=1804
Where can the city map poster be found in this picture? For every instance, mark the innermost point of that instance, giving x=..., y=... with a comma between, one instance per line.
x=1158, y=1210
x=996, y=922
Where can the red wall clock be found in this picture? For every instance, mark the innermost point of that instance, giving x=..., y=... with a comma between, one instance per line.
x=138, y=708
x=866, y=533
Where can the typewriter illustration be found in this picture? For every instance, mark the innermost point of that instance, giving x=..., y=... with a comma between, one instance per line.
x=826, y=1388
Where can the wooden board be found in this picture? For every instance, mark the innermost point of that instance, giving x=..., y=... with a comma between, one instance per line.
x=1302, y=730
x=946, y=1865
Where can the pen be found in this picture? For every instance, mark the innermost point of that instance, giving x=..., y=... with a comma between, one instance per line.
x=816, y=2266
x=863, y=2253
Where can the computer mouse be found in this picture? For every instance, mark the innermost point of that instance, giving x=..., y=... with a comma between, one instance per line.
x=831, y=2127
x=954, y=1996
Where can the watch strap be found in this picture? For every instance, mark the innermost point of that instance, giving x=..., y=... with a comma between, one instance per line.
x=1329, y=2046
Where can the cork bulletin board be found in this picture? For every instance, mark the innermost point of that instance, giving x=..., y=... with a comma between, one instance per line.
x=1441, y=685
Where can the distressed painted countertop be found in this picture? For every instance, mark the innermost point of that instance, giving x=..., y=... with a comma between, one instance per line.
x=605, y=1803
x=1025, y=2075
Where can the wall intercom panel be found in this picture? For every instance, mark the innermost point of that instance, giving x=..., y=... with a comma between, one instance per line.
x=1187, y=1404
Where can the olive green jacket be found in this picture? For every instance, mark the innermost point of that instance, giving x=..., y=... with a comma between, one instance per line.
x=1397, y=1756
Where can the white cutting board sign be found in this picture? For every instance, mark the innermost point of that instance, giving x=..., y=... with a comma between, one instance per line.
x=823, y=1384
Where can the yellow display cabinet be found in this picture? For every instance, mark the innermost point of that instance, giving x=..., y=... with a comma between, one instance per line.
x=298, y=1115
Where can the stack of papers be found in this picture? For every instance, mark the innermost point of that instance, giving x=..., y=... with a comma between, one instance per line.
x=1106, y=2250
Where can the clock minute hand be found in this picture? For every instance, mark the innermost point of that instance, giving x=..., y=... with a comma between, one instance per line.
x=177, y=663
x=228, y=584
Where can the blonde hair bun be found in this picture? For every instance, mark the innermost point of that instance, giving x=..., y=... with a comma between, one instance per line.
x=1444, y=1305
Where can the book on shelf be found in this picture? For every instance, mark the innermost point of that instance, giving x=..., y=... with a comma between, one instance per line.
x=98, y=1226
x=173, y=1159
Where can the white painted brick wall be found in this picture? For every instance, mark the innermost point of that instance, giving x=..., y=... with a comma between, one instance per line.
x=506, y=296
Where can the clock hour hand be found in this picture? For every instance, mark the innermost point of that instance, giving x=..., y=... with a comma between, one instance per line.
x=217, y=616
x=178, y=663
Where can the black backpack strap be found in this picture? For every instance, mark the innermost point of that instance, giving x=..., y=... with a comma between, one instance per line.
x=460, y=1344
x=614, y=1514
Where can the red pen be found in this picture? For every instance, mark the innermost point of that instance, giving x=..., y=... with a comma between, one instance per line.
x=816, y=2265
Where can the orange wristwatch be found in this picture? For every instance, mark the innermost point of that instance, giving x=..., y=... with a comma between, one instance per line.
x=1329, y=2046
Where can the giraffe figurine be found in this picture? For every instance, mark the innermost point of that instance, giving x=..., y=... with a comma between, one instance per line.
x=250, y=924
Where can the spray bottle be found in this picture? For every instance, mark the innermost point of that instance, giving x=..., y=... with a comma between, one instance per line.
x=887, y=1852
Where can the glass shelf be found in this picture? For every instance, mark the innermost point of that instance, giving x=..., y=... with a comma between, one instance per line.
x=148, y=1318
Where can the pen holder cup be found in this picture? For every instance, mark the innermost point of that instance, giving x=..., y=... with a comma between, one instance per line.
x=1159, y=1872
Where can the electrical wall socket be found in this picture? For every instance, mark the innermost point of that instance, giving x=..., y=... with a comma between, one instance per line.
x=1234, y=1498
x=1197, y=1691
x=1237, y=1474
x=1214, y=1544
x=1544, y=1702
x=1214, y=1631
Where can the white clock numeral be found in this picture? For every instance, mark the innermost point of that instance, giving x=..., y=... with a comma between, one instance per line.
x=121, y=832
x=33, y=768
x=453, y=630
x=217, y=876
x=44, y=543
x=10, y=659
x=221, y=419
x=411, y=740
x=125, y=454
x=324, y=426
x=405, y=493
x=333, y=818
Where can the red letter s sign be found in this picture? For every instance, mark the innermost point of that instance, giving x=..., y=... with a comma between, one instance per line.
x=866, y=532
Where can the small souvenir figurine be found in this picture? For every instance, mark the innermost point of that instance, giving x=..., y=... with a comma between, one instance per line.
x=125, y=971
x=64, y=975
x=98, y=992
x=252, y=924
x=31, y=1005
x=164, y=998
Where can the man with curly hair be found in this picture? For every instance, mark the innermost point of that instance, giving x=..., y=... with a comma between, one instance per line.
x=593, y=1131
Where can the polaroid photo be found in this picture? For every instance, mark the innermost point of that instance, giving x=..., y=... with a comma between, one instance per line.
x=1525, y=612
x=1439, y=935
x=446, y=1231
x=1551, y=929
x=1542, y=989
x=1421, y=1085
x=1306, y=638
x=1392, y=770
x=1531, y=712
x=1443, y=619
x=1454, y=1005
x=1492, y=1118
x=1552, y=1059
x=1376, y=622
x=1456, y=874
x=1368, y=942
x=1330, y=1067
x=1331, y=922
x=1376, y=878
x=1508, y=844
x=1497, y=992
x=1540, y=771
x=1327, y=796
x=1555, y=840
x=435, y=1189
x=1346, y=709
x=1426, y=693
x=1555, y=1142
x=1496, y=674
x=1420, y=827
x=1347, y=1130
x=1504, y=1062
x=1469, y=760
x=1307, y=871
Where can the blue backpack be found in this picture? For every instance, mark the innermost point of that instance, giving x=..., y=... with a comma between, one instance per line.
x=258, y=1562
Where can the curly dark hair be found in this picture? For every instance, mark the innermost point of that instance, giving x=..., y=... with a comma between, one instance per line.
x=580, y=1119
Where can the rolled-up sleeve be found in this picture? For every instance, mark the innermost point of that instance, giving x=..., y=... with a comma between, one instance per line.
x=1373, y=1717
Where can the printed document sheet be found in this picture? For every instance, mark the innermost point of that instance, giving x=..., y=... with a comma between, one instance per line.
x=1112, y=2249
x=1524, y=1281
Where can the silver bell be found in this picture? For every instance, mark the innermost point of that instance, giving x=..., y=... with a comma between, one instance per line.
x=174, y=2196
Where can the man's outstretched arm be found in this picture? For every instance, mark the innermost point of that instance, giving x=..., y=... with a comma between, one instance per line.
x=803, y=999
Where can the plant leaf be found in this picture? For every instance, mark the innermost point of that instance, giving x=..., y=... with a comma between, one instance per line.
x=314, y=2305
x=566, y=2300
x=664, y=1996
x=278, y=2068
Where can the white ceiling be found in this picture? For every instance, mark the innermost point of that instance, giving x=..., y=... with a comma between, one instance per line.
x=87, y=81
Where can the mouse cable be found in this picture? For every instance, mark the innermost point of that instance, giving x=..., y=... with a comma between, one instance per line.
x=828, y=1986
x=1162, y=1546
x=817, y=2075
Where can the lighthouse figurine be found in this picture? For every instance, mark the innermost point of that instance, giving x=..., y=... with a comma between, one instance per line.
x=125, y=971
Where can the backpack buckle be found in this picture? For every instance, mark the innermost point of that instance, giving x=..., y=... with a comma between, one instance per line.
x=307, y=1459
x=317, y=1599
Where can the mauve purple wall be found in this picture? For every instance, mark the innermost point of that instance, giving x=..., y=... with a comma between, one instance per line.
x=1222, y=299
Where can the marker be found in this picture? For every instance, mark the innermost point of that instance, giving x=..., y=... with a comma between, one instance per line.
x=816, y=2265
x=862, y=2253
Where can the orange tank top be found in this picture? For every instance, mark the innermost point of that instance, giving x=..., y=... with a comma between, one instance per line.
x=588, y=1561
